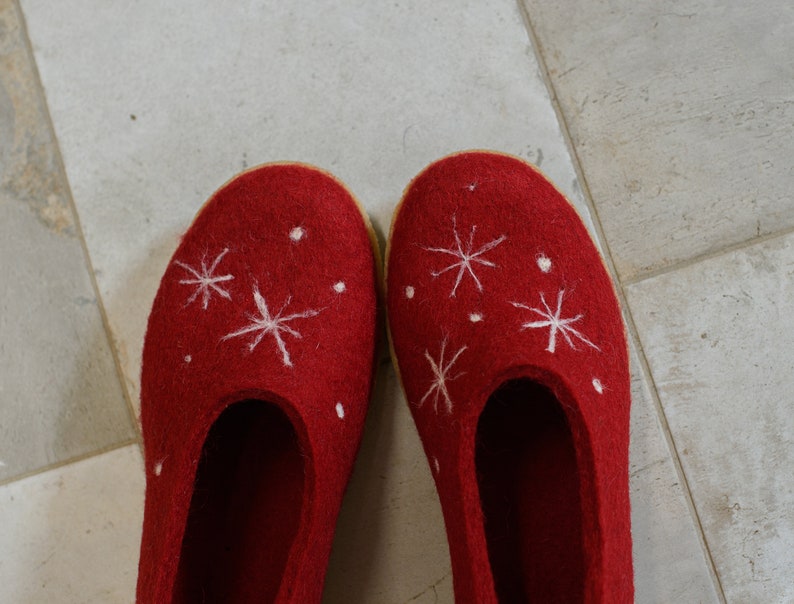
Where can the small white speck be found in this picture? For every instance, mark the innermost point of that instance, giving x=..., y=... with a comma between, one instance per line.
x=475, y=317
x=340, y=287
x=409, y=292
x=340, y=411
x=188, y=358
x=436, y=465
x=544, y=263
x=297, y=233
x=472, y=186
x=598, y=386
x=158, y=468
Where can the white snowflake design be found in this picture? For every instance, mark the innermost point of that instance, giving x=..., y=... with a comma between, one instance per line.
x=440, y=378
x=275, y=325
x=205, y=281
x=465, y=258
x=555, y=324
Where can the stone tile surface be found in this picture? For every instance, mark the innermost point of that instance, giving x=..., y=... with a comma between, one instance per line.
x=682, y=114
x=670, y=564
x=71, y=535
x=719, y=336
x=60, y=394
x=156, y=105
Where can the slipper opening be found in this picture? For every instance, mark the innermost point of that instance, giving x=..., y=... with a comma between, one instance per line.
x=246, y=507
x=529, y=486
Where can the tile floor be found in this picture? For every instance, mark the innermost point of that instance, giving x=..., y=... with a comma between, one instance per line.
x=670, y=125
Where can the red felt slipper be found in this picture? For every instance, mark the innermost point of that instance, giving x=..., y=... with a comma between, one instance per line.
x=512, y=353
x=257, y=370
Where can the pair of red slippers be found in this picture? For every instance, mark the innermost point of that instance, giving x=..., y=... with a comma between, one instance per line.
x=259, y=362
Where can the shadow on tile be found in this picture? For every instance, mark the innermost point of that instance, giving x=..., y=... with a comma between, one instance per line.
x=360, y=524
x=391, y=544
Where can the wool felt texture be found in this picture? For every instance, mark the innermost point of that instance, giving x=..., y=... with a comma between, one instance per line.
x=508, y=338
x=257, y=371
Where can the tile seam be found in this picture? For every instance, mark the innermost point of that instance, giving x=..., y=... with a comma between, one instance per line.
x=88, y=264
x=628, y=316
x=71, y=460
x=706, y=256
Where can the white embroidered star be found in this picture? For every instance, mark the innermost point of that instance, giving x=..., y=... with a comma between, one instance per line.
x=267, y=324
x=465, y=258
x=440, y=378
x=206, y=281
x=555, y=323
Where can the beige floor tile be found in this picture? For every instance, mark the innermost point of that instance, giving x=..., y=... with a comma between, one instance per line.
x=156, y=106
x=670, y=564
x=719, y=336
x=682, y=114
x=60, y=394
x=71, y=535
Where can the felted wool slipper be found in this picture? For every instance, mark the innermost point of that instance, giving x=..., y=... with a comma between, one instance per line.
x=257, y=370
x=509, y=342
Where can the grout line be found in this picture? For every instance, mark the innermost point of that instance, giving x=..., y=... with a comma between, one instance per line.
x=628, y=316
x=78, y=227
x=71, y=460
x=704, y=257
